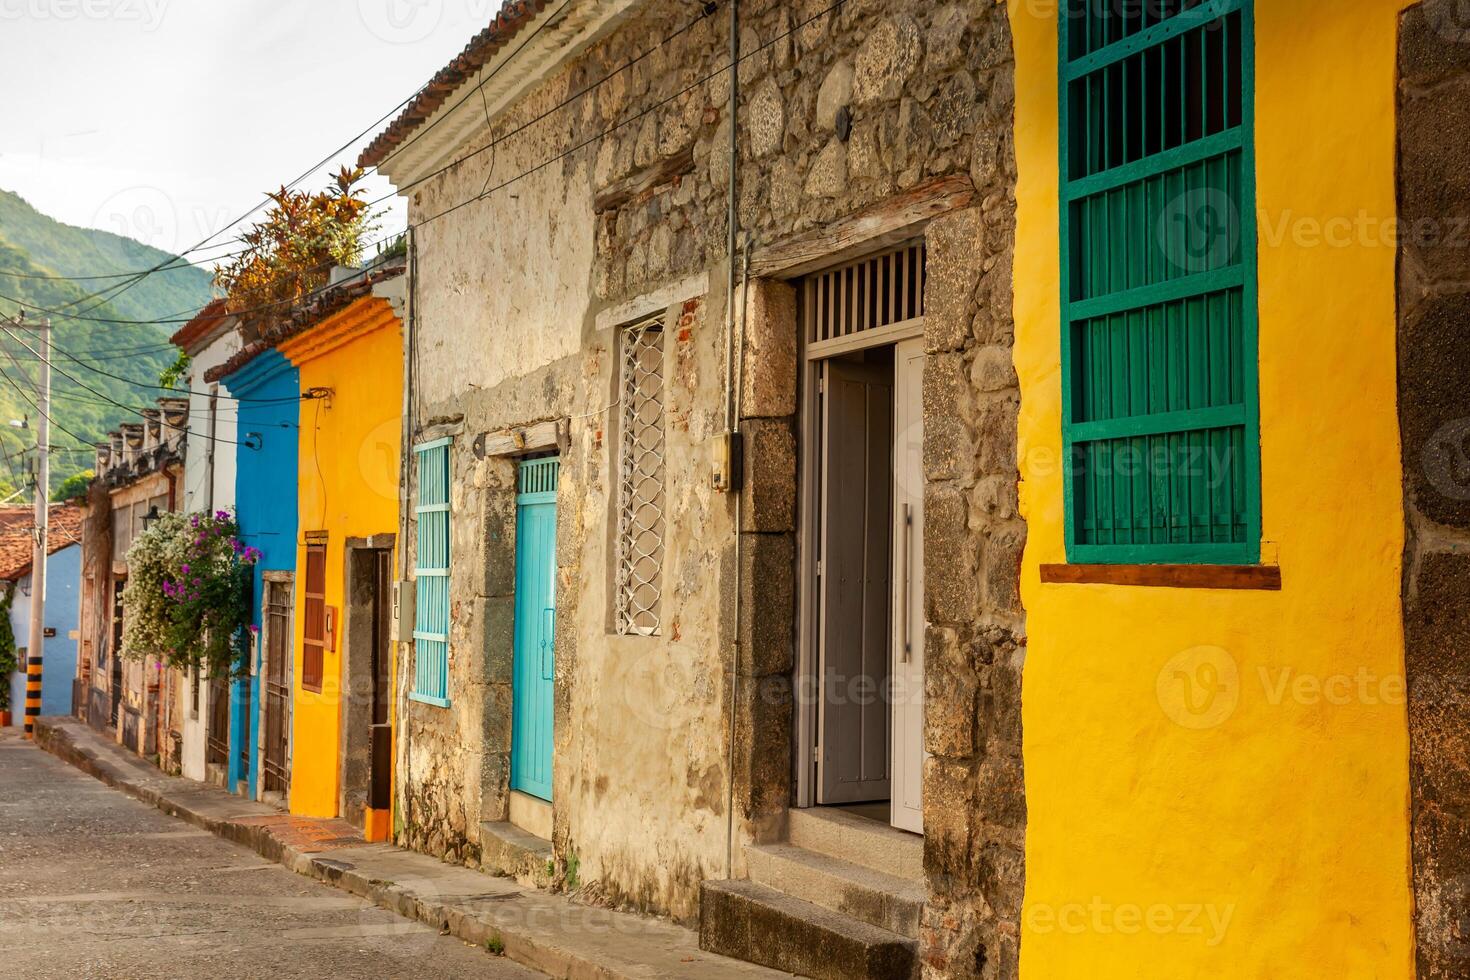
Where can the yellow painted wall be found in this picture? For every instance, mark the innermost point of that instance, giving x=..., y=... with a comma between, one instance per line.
x=1256, y=830
x=348, y=488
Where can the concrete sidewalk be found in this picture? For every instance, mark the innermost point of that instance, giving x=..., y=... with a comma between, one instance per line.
x=547, y=932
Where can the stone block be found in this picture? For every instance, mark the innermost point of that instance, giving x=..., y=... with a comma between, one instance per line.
x=1434, y=409
x=769, y=382
x=766, y=119
x=1434, y=42
x=770, y=476
x=768, y=603
x=765, y=710
x=495, y=633
x=1434, y=182
x=497, y=545
x=949, y=818
x=827, y=175
x=951, y=687
x=1001, y=569
x=949, y=557
x=1000, y=792
x=886, y=60
x=835, y=92
x=953, y=241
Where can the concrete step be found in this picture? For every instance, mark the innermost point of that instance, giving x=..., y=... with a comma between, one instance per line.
x=760, y=925
x=509, y=851
x=858, y=840
x=878, y=899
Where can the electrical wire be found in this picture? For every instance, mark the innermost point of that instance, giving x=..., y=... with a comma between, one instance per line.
x=109, y=398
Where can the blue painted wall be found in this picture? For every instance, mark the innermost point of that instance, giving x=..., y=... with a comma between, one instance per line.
x=265, y=502
x=58, y=653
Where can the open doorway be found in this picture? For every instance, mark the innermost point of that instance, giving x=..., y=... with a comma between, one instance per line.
x=367, y=737
x=862, y=540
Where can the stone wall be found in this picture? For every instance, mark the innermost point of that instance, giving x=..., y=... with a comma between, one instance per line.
x=518, y=300
x=1434, y=419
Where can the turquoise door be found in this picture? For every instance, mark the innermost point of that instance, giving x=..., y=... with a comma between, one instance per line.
x=535, y=626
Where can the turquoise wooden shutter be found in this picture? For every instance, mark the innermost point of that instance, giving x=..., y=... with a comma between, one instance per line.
x=431, y=569
x=1159, y=400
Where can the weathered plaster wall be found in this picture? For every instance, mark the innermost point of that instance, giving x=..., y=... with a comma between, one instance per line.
x=508, y=295
x=1434, y=418
x=348, y=465
x=1253, y=824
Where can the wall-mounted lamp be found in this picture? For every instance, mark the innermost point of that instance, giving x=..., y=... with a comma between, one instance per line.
x=151, y=518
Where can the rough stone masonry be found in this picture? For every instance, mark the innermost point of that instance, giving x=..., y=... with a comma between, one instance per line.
x=1434, y=423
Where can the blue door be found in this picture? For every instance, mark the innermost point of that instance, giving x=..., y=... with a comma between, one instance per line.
x=535, y=625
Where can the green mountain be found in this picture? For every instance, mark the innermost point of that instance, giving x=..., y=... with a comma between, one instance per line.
x=113, y=366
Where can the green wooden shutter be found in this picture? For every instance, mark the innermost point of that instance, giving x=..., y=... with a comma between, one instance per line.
x=431, y=571
x=1159, y=401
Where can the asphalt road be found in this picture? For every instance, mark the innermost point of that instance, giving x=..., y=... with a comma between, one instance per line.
x=96, y=884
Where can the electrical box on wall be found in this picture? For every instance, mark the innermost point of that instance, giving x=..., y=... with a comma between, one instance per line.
x=729, y=457
x=402, y=628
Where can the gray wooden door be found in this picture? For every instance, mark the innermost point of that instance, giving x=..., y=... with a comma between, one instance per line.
x=855, y=603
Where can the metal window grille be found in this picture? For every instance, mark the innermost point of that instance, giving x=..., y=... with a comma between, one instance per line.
x=640, y=551
x=431, y=569
x=870, y=294
x=1160, y=422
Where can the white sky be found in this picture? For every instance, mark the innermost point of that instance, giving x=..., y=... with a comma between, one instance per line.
x=164, y=120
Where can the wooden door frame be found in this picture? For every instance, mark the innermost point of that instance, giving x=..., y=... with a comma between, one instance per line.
x=269, y=578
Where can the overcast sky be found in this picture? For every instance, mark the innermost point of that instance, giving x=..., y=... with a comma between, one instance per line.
x=166, y=119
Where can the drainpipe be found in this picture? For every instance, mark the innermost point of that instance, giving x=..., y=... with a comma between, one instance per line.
x=408, y=428
x=731, y=421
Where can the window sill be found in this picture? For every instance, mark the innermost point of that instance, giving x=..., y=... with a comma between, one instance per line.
x=428, y=699
x=1260, y=578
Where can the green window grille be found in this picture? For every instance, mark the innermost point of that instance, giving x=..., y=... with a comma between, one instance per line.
x=431, y=571
x=1159, y=401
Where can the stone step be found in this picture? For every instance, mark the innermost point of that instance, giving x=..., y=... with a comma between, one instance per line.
x=507, y=850
x=760, y=925
x=869, y=896
x=858, y=840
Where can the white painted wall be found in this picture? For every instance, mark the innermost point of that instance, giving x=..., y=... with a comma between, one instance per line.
x=206, y=486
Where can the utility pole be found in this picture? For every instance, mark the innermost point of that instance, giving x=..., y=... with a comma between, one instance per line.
x=43, y=514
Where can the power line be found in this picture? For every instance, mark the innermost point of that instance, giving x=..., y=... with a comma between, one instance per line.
x=111, y=400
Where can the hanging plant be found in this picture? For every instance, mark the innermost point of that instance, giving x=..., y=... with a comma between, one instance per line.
x=187, y=597
x=9, y=662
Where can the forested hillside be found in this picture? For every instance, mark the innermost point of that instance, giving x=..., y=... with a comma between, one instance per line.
x=87, y=401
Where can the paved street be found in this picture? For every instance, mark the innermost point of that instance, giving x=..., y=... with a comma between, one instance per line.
x=95, y=884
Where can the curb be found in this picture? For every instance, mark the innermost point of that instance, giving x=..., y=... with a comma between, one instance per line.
x=498, y=908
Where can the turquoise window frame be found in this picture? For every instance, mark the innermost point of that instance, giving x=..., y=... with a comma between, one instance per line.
x=431, y=574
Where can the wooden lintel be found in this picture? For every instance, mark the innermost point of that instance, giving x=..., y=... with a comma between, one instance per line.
x=889, y=222
x=513, y=442
x=621, y=192
x=1254, y=577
